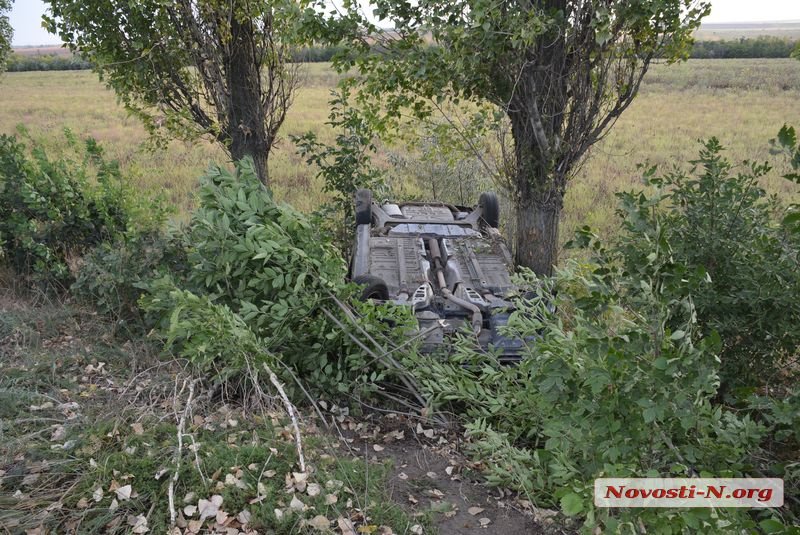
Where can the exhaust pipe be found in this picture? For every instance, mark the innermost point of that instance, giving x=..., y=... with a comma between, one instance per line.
x=438, y=263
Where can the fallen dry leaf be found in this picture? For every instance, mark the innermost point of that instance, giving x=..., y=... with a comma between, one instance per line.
x=331, y=499
x=123, y=493
x=475, y=510
x=244, y=517
x=346, y=526
x=296, y=504
x=313, y=489
x=190, y=510
x=195, y=526
x=59, y=433
x=30, y=479
x=320, y=522
x=138, y=429
x=377, y=447
x=484, y=522
x=416, y=529
x=209, y=508
x=97, y=495
x=138, y=524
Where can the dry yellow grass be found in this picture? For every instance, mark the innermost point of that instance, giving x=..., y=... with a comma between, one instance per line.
x=742, y=102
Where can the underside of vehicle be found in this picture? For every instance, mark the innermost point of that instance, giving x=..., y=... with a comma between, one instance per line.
x=449, y=263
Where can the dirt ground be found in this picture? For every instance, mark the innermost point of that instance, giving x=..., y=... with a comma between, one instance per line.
x=429, y=473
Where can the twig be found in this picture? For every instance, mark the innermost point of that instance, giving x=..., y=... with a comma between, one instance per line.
x=386, y=359
x=305, y=392
x=178, y=452
x=290, y=409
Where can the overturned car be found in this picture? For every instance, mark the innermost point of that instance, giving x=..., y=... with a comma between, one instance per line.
x=449, y=263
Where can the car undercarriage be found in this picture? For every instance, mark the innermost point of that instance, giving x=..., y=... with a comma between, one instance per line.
x=448, y=263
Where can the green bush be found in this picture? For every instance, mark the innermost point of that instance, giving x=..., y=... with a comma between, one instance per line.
x=345, y=166
x=609, y=391
x=54, y=210
x=271, y=270
x=624, y=379
x=731, y=253
x=112, y=275
x=760, y=47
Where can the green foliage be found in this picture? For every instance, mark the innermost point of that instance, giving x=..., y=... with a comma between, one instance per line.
x=112, y=275
x=210, y=335
x=45, y=62
x=6, y=33
x=264, y=260
x=786, y=143
x=607, y=391
x=262, y=271
x=54, y=210
x=624, y=379
x=346, y=166
x=731, y=254
x=760, y=47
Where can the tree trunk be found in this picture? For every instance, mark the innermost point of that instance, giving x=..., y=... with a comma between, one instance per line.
x=246, y=115
x=536, y=244
x=538, y=197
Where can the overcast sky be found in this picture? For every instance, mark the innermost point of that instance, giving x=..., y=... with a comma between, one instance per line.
x=26, y=16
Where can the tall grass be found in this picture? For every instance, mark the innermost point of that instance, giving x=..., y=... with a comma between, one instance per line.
x=743, y=102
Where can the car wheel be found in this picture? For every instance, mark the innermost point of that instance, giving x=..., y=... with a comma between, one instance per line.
x=373, y=287
x=490, y=209
x=363, y=207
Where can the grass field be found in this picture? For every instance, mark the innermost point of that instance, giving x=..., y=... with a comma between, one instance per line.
x=742, y=102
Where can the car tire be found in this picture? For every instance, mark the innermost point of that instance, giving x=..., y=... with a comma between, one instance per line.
x=373, y=287
x=363, y=207
x=490, y=209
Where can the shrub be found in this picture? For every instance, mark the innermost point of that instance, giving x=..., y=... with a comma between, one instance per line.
x=623, y=380
x=345, y=166
x=52, y=211
x=716, y=226
x=269, y=268
x=610, y=391
x=112, y=275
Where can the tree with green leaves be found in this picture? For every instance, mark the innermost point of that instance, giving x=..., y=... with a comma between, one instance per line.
x=191, y=67
x=6, y=33
x=560, y=72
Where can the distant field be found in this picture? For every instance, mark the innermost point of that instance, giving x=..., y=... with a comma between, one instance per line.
x=56, y=50
x=713, y=32
x=742, y=102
